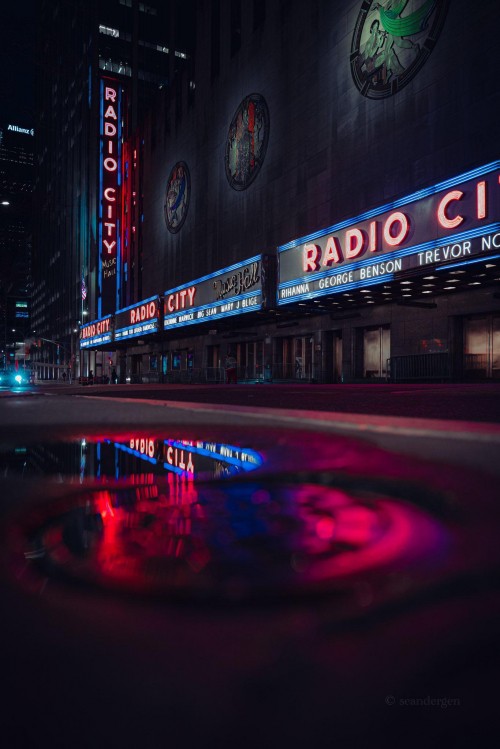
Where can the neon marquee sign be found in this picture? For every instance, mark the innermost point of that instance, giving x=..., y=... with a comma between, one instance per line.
x=139, y=319
x=231, y=291
x=110, y=194
x=96, y=333
x=453, y=220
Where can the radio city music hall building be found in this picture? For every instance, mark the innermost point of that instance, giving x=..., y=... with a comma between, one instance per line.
x=325, y=207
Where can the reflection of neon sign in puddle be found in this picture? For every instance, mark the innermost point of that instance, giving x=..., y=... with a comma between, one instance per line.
x=180, y=456
x=194, y=458
x=214, y=520
x=131, y=455
x=228, y=540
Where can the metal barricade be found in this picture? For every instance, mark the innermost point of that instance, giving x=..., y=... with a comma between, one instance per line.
x=419, y=367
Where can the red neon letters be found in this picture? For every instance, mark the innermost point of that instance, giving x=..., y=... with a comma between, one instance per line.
x=180, y=299
x=395, y=230
x=444, y=207
x=110, y=169
x=143, y=312
x=442, y=211
x=95, y=328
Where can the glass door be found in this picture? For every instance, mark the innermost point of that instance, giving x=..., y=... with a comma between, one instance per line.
x=250, y=356
x=303, y=357
x=482, y=347
x=213, y=371
x=376, y=351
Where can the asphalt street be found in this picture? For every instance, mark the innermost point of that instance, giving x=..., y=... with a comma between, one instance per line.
x=330, y=574
x=460, y=402
x=457, y=424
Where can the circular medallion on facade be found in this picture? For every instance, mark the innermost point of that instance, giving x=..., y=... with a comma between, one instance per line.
x=391, y=41
x=177, y=196
x=247, y=141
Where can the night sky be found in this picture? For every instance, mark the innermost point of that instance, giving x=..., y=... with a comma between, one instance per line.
x=17, y=66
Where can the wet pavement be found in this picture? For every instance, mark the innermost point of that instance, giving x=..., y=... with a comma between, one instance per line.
x=199, y=576
x=465, y=402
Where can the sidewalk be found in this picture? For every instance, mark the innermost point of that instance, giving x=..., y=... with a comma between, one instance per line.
x=458, y=402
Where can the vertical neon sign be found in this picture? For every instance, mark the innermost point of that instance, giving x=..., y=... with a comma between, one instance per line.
x=109, y=195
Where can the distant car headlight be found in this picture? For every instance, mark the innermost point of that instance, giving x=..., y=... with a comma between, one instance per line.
x=19, y=379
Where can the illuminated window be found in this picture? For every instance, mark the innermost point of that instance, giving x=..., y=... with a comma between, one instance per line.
x=115, y=67
x=109, y=31
x=147, y=9
x=157, y=47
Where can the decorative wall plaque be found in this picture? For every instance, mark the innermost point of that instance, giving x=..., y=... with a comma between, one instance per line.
x=392, y=41
x=177, y=196
x=247, y=141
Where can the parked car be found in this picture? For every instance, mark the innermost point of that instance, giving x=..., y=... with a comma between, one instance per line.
x=15, y=377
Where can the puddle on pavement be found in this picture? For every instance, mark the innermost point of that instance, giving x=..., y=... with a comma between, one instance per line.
x=133, y=457
x=202, y=519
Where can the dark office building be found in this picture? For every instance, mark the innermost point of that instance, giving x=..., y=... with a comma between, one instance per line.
x=91, y=55
x=16, y=185
x=328, y=208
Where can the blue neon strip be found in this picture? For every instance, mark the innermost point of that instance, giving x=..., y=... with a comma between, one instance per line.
x=479, y=172
x=246, y=465
x=91, y=342
x=373, y=260
x=174, y=469
x=338, y=289
x=137, y=454
x=230, y=268
x=230, y=300
x=482, y=259
x=218, y=316
x=143, y=332
x=209, y=305
x=138, y=304
x=94, y=322
x=431, y=245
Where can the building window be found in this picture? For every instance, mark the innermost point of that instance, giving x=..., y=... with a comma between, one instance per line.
x=148, y=9
x=115, y=67
x=161, y=48
x=150, y=45
x=109, y=31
